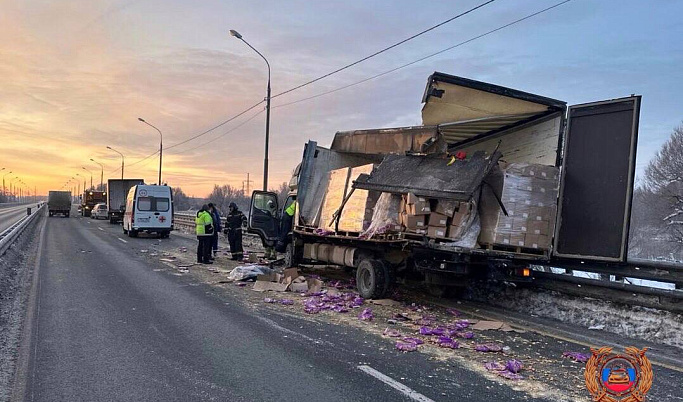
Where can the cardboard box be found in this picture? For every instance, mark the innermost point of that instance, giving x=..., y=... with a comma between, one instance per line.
x=538, y=228
x=517, y=239
x=436, y=231
x=438, y=220
x=520, y=226
x=446, y=207
x=413, y=221
x=538, y=241
x=415, y=205
x=455, y=232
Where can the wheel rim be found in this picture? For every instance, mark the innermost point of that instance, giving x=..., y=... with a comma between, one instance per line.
x=366, y=279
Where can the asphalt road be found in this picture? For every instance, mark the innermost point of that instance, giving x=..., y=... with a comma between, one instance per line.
x=10, y=214
x=110, y=326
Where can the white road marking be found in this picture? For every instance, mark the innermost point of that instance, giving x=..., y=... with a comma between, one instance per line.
x=125, y=241
x=101, y=229
x=412, y=394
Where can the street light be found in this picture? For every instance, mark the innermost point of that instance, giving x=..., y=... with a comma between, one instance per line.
x=3, y=181
x=161, y=145
x=15, y=187
x=101, y=173
x=265, y=159
x=79, y=175
x=78, y=184
x=90, y=175
x=122, y=159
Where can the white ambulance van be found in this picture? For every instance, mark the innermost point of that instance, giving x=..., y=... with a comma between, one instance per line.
x=148, y=209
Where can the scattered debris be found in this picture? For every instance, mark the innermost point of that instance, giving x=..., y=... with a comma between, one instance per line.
x=406, y=346
x=393, y=333
x=576, y=356
x=366, y=315
x=488, y=347
x=510, y=370
x=243, y=272
x=386, y=302
x=597, y=327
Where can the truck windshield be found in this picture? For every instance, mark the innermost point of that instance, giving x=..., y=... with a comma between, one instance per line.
x=157, y=204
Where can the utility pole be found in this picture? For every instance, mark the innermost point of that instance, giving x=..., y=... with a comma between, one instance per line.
x=247, y=183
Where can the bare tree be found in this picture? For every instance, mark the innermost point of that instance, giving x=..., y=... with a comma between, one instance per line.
x=181, y=202
x=282, y=192
x=664, y=177
x=222, y=196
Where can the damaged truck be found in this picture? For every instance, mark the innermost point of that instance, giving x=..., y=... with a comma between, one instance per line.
x=494, y=181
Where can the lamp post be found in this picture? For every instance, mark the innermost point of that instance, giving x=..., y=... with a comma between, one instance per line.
x=122, y=159
x=3, y=182
x=265, y=159
x=101, y=173
x=90, y=176
x=15, y=187
x=78, y=185
x=79, y=192
x=161, y=145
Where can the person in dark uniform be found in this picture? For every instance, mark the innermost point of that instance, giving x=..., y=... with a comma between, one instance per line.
x=216, y=216
x=233, y=228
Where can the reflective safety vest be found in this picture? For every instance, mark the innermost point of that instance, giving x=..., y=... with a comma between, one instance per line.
x=203, y=218
x=291, y=209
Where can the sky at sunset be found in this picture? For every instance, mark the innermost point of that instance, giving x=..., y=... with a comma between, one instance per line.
x=75, y=75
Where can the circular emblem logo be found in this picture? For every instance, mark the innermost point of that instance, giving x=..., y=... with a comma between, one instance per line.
x=614, y=378
x=143, y=193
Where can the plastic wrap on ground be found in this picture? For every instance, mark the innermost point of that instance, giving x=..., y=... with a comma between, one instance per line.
x=385, y=216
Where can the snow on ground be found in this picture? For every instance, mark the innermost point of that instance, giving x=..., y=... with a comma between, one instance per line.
x=632, y=321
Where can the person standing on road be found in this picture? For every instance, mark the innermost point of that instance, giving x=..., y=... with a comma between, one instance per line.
x=204, y=229
x=216, y=216
x=233, y=222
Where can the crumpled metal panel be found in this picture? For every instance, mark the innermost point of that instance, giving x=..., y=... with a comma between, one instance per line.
x=429, y=175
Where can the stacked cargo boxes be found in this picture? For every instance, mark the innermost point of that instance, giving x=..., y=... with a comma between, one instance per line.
x=529, y=194
x=446, y=219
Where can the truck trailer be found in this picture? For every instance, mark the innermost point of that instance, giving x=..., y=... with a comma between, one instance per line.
x=59, y=202
x=538, y=182
x=117, y=191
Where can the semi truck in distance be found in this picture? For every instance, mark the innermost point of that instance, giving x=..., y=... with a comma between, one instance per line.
x=59, y=202
x=117, y=191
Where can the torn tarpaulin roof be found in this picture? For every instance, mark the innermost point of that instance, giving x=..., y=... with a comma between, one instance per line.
x=429, y=176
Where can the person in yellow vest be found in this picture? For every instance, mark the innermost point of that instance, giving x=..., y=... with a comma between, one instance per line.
x=204, y=229
x=286, y=227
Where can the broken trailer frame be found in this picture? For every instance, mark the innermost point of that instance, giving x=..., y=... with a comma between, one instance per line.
x=593, y=144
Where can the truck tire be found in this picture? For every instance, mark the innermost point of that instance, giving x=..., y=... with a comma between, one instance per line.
x=291, y=259
x=371, y=279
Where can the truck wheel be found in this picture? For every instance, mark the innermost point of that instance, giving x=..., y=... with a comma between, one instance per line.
x=371, y=279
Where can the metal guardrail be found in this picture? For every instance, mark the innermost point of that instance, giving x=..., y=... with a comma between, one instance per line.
x=10, y=234
x=185, y=222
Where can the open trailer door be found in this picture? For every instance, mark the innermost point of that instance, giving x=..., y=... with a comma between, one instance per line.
x=596, y=187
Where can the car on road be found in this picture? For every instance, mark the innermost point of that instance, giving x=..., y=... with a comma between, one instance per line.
x=99, y=211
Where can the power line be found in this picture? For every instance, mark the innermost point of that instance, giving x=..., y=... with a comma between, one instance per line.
x=383, y=50
x=422, y=58
x=216, y=126
x=195, y=136
x=222, y=135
